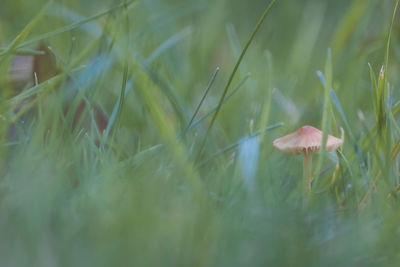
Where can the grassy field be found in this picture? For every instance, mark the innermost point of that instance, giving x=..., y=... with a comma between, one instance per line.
x=139, y=133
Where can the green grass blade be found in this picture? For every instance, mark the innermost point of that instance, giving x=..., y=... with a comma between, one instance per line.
x=241, y=83
x=384, y=121
x=168, y=134
x=141, y=157
x=348, y=26
x=35, y=90
x=172, y=95
x=389, y=37
x=340, y=109
x=381, y=114
x=395, y=151
x=374, y=89
x=121, y=103
x=170, y=42
x=326, y=118
x=257, y=27
x=383, y=90
x=23, y=51
x=126, y=45
x=26, y=31
x=174, y=39
x=396, y=108
x=73, y=25
x=210, y=83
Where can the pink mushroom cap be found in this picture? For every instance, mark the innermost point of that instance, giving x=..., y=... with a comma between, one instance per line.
x=305, y=139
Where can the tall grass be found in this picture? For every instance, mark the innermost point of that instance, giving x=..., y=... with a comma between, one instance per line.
x=183, y=172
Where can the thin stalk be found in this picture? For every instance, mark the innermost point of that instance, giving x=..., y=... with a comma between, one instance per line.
x=307, y=164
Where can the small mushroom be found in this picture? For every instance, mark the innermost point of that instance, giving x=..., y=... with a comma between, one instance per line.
x=304, y=141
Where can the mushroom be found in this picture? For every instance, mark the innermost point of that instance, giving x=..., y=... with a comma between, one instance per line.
x=306, y=140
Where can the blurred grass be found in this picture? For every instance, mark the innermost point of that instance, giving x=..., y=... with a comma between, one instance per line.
x=71, y=195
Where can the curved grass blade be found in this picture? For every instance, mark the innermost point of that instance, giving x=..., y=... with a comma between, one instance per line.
x=221, y=101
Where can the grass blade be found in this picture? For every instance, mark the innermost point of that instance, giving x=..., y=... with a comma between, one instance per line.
x=381, y=114
x=74, y=25
x=374, y=89
x=174, y=39
x=202, y=99
x=170, y=42
x=23, y=51
x=326, y=118
x=384, y=93
x=174, y=98
x=389, y=37
x=121, y=103
x=233, y=75
x=194, y=124
x=26, y=31
x=395, y=151
x=348, y=26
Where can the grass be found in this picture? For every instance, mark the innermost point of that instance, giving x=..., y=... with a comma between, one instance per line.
x=184, y=173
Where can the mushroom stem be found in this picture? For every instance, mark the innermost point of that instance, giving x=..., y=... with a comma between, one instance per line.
x=307, y=162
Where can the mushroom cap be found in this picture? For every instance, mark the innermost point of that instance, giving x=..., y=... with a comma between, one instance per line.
x=305, y=139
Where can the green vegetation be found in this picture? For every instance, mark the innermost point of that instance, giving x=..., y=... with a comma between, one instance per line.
x=139, y=133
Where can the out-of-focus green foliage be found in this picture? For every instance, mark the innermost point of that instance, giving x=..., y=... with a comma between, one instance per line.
x=99, y=163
